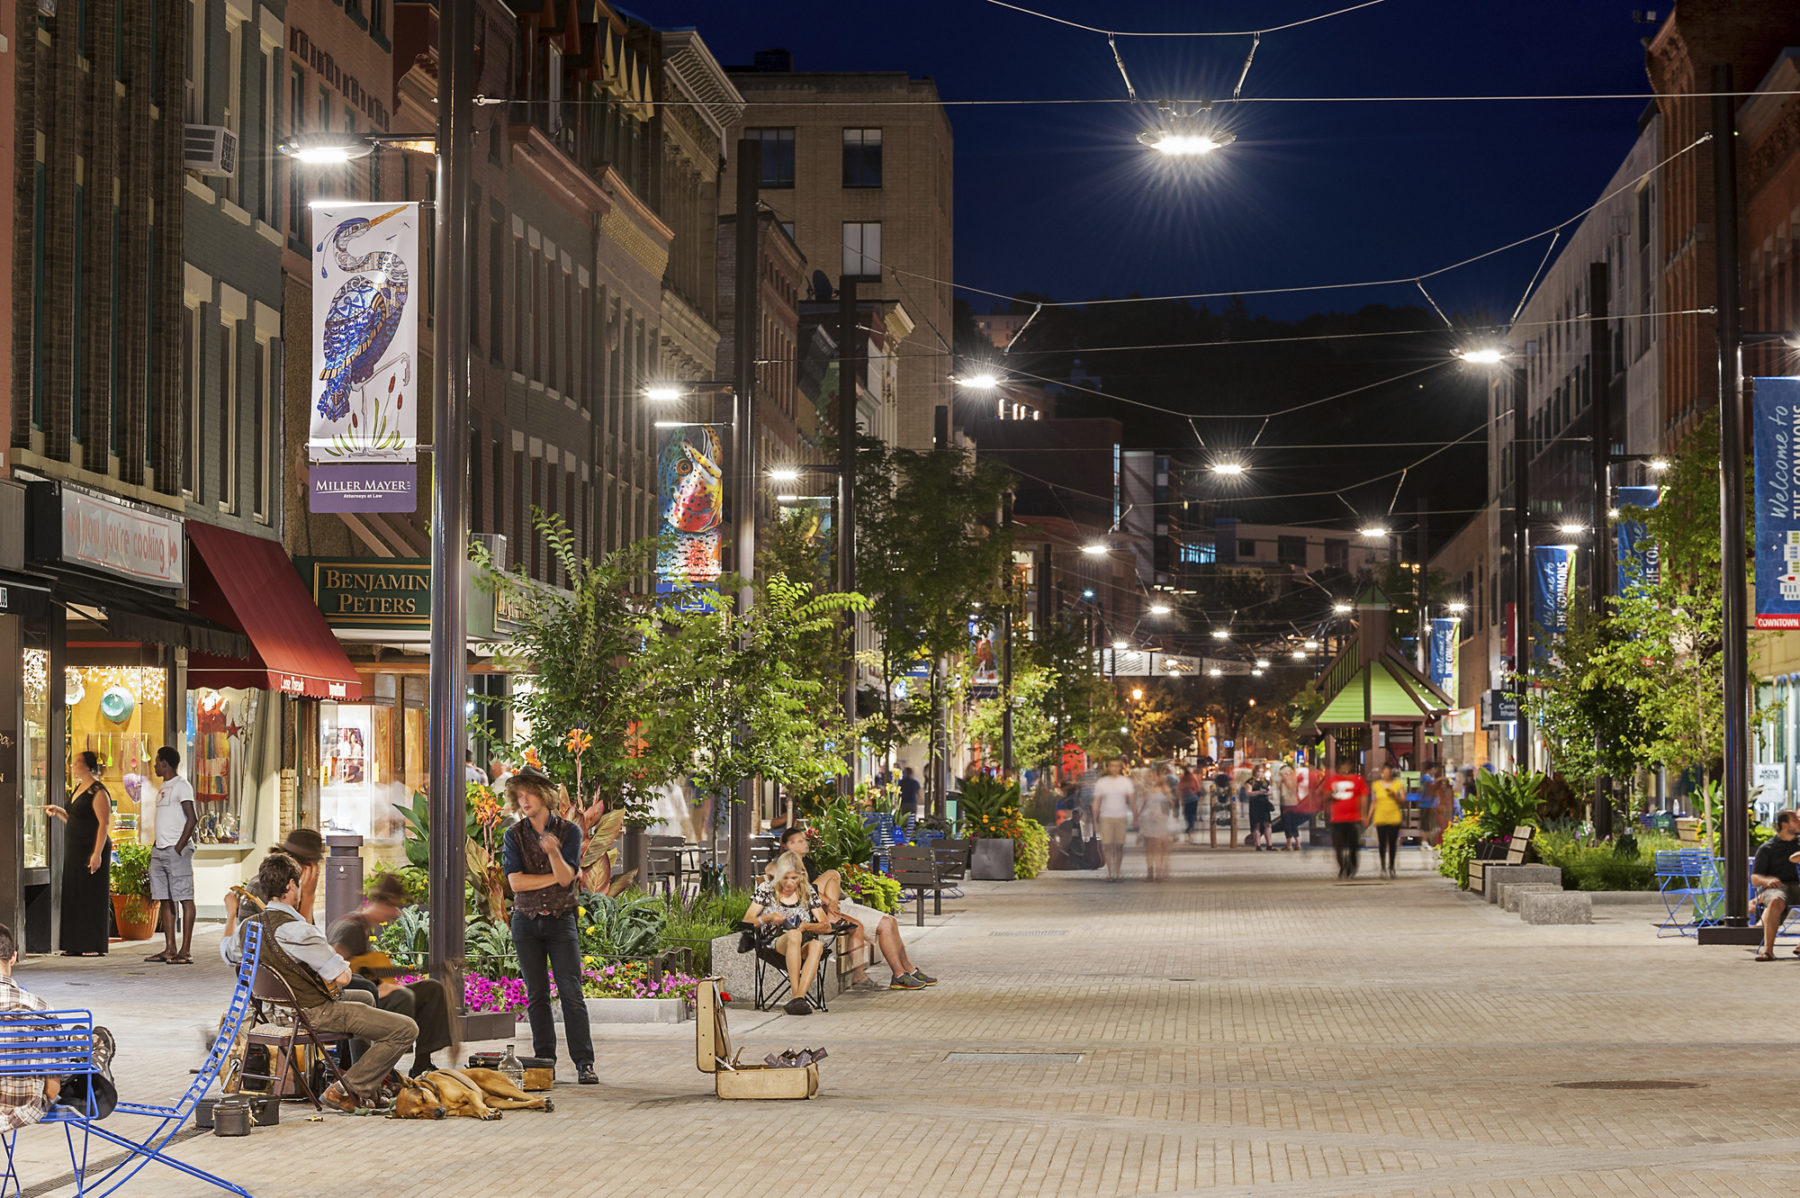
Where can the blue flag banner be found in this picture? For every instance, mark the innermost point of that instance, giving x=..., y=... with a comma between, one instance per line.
x=1636, y=562
x=1775, y=421
x=1443, y=654
x=1552, y=583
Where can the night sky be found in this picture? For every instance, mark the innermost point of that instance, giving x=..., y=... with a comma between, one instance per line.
x=1063, y=200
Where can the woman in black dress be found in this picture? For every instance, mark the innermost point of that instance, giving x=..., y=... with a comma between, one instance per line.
x=87, y=852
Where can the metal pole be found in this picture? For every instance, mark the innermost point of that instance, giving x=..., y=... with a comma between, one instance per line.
x=1733, y=567
x=1006, y=661
x=1424, y=644
x=1521, y=567
x=449, y=476
x=1600, y=371
x=849, y=374
x=743, y=448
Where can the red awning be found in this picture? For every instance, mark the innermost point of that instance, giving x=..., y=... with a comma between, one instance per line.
x=248, y=584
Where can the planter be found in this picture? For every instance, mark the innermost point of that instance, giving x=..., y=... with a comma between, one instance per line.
x=494, y=1025
x=146, y=910
x=627, y=1010
x=993, y=861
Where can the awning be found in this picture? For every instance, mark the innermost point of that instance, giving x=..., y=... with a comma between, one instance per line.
x=248, y=584
x=1390, y=694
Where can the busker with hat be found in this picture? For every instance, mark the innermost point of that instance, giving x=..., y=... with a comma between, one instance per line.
x=422, y=1001
x=541, y=855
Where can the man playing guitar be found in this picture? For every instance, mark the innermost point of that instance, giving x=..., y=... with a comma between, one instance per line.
x=421, y=1001
x=297, y=952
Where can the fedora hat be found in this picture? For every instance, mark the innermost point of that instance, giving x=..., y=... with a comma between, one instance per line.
x=305, y=846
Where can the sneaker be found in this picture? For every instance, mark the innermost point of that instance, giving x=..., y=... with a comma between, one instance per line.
x=905, y=981
x=924, y=977
x=867, y=985
x=798, y=1006
x=585, y=1075
x=104, y=1048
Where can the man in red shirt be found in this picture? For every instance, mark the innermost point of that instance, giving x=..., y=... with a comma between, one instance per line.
x=1347, y=795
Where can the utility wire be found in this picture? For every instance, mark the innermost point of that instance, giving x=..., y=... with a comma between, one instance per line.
x=1112, y=33
x=1065, y=101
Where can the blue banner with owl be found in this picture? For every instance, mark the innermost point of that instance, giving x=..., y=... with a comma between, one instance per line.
x=362, y=439
x=690, y=500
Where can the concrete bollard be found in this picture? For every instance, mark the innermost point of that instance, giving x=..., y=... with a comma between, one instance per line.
x=1509, y=897
x=1559, y=907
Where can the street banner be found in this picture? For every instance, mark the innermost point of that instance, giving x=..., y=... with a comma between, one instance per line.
x=1775, y=419
x=1636, y=561
x=365, y=349
x=690, y=500
x=1443, y=653
x=984, y=660
x=1552, y=584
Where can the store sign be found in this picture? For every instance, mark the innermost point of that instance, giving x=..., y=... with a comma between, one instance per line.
x=1775, y=425
x=362, y=439
x=82, y=528
x=1499, y=707
x=372, y=593
x=1771, y=778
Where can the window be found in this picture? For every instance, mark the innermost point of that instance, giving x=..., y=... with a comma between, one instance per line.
x=196, y=63
x=270, y=91
x=1337, y=554
x=787, y=226
x=1197, y=554
x=190, y=394
x=1291, y=551
x=378, y=18
x=862, y=249
x=231, y=395
x=259, y=431
x=233, y=184
x=554, y=82
x=777, y=155
x=496, y=285
x=296, y=221
x=1246, y=551
x=862, y=158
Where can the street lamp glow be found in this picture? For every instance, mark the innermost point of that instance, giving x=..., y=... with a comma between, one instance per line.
x=1262, y=663
x=981, y=382
x=1221, y=634
x=1342, y=609
x=1658, y=465
x=1227, y=467
x=1612, y=513
x=1120, y=646
x=784, y=475
x=1215, y=672
x=1255, y=674
x=1298, y=655
x=326, y=149
x=1486, y=355
x=787, y=499
x=1312, y=644
x=1186, y=143
x=1137, y=693
x=1457, y=607
x=1572, y=530
x=1087, y=594
x=1094, y=550
x=1160, y=609
x=1374, y=532
x=662, y=392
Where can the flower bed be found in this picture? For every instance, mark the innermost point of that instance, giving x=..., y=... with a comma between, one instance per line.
x=484, y=995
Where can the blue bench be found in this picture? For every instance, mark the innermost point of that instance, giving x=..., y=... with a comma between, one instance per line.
x=38, y=1044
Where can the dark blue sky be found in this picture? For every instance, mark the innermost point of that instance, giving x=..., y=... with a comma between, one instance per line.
x=1063, y=200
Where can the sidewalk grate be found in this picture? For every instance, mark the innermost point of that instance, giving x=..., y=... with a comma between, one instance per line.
x=1631, y=1084
x=1057, y=932
x=1014, y=1058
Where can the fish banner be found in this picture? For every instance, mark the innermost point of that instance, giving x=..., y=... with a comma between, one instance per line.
x=1552, y=585
x=1636, y=562
x=1775, y=421
x=690, y=500
x=1443, y=653
x=364, y=397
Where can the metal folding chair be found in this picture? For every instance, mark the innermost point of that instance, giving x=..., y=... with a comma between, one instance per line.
x=1687, y=880
x=272, y=997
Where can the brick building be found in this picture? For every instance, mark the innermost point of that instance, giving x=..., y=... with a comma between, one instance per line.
x=790, y=423
x=859, y=164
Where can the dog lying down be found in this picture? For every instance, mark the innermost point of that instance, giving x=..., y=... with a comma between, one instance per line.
x=472, y=1093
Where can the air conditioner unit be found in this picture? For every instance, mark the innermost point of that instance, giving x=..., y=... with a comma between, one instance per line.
x=209, y=150
x=495, y=543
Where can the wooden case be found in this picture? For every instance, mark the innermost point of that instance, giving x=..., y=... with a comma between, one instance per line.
x=713, y=1053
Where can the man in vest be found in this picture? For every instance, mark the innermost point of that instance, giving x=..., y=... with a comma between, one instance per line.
x=297, y=952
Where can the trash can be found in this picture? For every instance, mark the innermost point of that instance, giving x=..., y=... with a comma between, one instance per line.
x=343, y=875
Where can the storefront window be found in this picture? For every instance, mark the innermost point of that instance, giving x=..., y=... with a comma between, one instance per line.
x=223, y=748
x=117, y=712
x=35, y=793
x=358, y=787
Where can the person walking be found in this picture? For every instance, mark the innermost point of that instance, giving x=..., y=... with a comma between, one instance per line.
x=1387, y=811
x=1287, y=800
x=1347, y=793
x=1155, y=818
x=1190, y=800
x=87, y=882
x=541, y=855
x=1113, y=797
x=1262, y=813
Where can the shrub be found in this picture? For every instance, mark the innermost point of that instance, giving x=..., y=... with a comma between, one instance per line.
x=839, y=837
x=1031, y=849
x=987, y=801
x=1504, y=801
x=871, y=889
x=1461, y=840
x=627, y=926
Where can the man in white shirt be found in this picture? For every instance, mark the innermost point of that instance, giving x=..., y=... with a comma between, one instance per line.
x=172, y=857
x=498, y=773
x=1112, y=811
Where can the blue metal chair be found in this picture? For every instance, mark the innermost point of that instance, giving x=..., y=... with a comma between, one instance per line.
x=881, y=831
x=1688, y=881
x=21, y=1055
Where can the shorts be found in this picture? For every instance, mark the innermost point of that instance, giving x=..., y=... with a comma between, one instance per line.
x=172, y=874
x=868, y=917
x=1788, y=894
x=1113, y=829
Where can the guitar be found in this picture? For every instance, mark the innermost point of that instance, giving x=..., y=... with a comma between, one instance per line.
x=375, y=965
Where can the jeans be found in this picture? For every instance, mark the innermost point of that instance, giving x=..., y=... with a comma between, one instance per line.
x=1346, y=838
x=388, y=1033
x=1190, y=811
x=549, y=945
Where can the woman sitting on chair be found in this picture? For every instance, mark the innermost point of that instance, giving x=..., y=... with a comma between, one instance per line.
x=787, y=906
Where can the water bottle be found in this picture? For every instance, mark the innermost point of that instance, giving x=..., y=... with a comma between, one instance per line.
x=513, y=1068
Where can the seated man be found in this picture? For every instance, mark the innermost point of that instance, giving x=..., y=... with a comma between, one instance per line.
x=297, y=952
x=882, y=927
x=25, y=1100
x=421, y=1001
x=1777, y=878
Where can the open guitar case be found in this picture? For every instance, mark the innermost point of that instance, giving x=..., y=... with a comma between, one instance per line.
x=713, y=1054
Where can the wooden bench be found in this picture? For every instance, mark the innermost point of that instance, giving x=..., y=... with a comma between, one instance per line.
x=916, y=869
x=1516, y=849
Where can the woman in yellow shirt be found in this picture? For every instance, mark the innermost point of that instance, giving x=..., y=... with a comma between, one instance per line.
x=1387, y=811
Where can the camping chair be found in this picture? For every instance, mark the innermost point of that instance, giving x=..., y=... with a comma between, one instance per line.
x=761, y=941
x=280, y=1026
x=170, y=1119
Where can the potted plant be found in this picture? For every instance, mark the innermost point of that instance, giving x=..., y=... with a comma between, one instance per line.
x=133, y=908
x=990, y=817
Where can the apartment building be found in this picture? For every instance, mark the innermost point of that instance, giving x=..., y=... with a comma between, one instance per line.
x=858, y=166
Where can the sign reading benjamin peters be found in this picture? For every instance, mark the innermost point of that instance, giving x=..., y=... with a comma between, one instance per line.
x=389, y=593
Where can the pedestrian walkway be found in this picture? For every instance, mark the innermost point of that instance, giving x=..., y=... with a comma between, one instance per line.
x=1248, y=1027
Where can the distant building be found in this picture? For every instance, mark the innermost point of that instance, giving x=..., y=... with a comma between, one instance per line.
x=1001, y=327
x=864, y=184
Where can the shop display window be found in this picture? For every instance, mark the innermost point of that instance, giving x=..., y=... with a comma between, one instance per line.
x=36, y=764
x=223, y=743
x=118, y=713
x=358, y=784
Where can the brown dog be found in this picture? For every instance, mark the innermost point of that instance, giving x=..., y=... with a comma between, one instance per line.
x=471, y=1093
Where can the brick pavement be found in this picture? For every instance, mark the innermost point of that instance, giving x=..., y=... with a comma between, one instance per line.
x=1249, y=1027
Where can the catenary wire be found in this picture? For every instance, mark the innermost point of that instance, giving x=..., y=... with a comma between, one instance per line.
x=1044, y=16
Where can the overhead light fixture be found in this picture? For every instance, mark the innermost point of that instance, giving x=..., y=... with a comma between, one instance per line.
x=1312, y=644
x=325, y=149
x=981, y=382
x=1342, y=609
x=1160, y=609
x=1262, y=663
x=1184, y=139
x=1087, y=594
x=1095, y=549
x=1374, y=532
x=784, y=475
x=1120, y=646
x=1221, y=634
x=787, y=499
x=1137, y=693
x=1255, y=674
x=1227, y=467
x=1215, y=672
x=1457, y=607
x=1658, y=465
x=663, y=392
x=1298, y=655
x=1572, y=530
x=1485, y=355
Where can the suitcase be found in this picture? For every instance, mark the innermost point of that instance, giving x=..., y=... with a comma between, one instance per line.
x=713, y=1054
